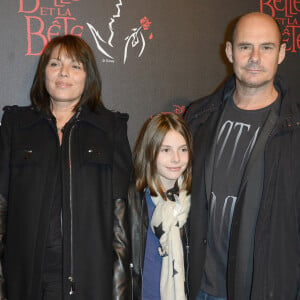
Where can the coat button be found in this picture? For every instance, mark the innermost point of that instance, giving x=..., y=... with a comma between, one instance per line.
x=270, y=295
x=94, y=151
x=204, y=242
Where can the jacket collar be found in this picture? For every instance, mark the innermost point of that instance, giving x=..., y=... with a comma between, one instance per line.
x=32, y=116
x=215, y=101
x=289, y=112
x=101, y=119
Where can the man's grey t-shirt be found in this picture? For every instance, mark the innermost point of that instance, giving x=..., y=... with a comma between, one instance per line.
x=237, y=135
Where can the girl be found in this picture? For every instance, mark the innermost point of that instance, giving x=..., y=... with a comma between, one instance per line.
x=159, y=203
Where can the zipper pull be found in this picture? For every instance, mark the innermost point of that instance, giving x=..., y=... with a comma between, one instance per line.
x=187, y=248
x=27, y=154
x=72, y=289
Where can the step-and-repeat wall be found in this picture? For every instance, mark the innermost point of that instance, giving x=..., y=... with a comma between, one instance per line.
x=153, y=55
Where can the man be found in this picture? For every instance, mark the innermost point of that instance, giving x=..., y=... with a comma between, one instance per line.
x=245, y=212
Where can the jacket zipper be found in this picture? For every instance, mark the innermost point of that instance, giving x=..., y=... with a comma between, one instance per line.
x=142, y=240
x=131, y=275
x=187, y=247
x=71, y=277
x=140, y=256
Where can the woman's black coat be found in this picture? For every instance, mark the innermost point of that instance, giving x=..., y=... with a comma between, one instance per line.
x=95, y=165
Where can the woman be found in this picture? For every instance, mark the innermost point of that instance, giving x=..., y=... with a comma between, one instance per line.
x=64, y=168
x=159, y=204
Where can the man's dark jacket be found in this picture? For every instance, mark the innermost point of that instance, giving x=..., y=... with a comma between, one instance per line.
x=95, y=166
x=276, y=238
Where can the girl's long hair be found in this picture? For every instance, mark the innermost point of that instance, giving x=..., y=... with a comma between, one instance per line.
x=147, y=148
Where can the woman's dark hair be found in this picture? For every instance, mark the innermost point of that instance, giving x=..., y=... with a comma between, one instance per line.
x=147, y=148
x=76, y=48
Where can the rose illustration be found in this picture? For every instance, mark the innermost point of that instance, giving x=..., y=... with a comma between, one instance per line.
x=145, y=23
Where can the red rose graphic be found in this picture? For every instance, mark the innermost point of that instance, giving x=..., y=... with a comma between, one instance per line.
x=145, y=23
